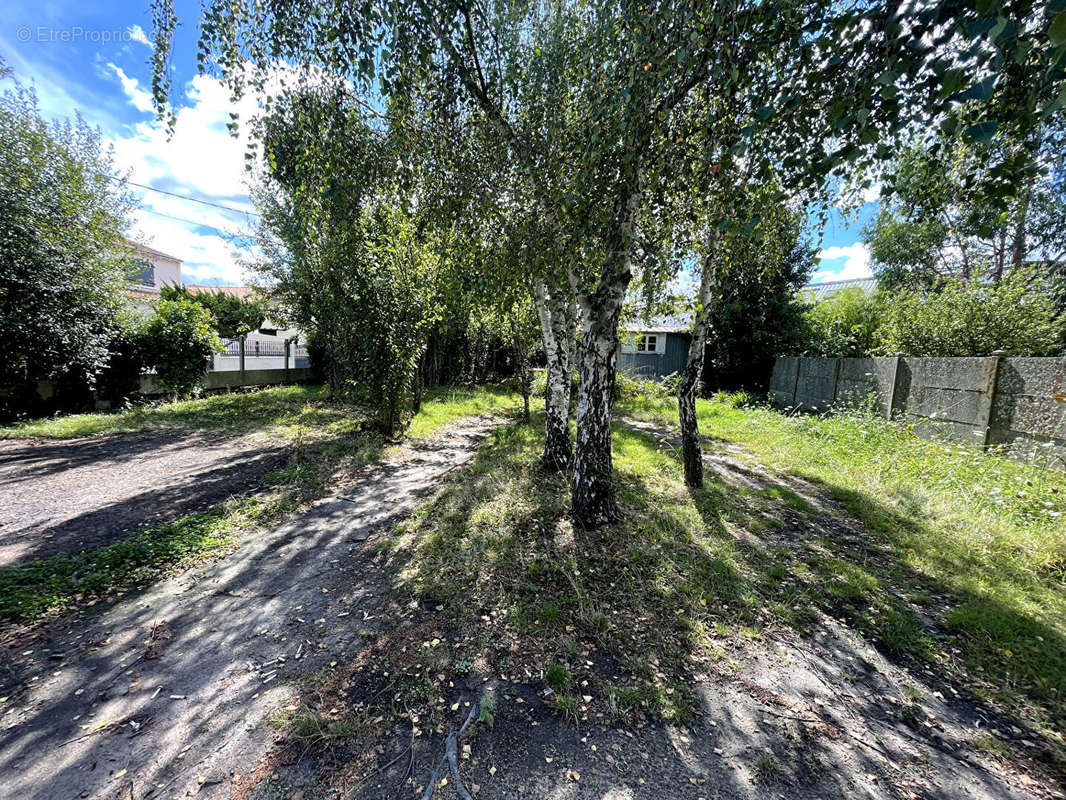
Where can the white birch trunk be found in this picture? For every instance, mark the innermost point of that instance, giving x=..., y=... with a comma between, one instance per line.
x=558, y=335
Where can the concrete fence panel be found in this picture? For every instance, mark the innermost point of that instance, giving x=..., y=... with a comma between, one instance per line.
x=1019, y=403
x=1029, y=408
x=783, y=380
x=949, y=397
x=865, y=380
x=816, y=383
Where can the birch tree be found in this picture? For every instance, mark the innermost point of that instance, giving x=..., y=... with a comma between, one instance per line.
x=593, y=100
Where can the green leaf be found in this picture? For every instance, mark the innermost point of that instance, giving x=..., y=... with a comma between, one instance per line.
x=981, y=91
x=982, y=131
x=1057, y=30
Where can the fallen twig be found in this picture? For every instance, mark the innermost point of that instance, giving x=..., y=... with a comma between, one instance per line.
x=451, y=758
x=379, y=770
x=93, y=732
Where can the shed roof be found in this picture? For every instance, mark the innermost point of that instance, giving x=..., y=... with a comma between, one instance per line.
x=821, y=291
x=680, y=323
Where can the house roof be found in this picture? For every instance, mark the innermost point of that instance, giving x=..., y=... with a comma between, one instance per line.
x=236, y=291
x=680, y=323
x=821, y=291
x=151, y=251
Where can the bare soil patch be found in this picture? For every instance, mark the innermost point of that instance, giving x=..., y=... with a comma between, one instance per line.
x=61, y=497
x=175, y=691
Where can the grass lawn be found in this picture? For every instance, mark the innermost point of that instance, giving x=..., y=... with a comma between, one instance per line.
x=326, y=443
x=947, y=560
x=972, y=541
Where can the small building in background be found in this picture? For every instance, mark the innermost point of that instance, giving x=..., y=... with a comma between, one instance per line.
x=823, y=291
x=263, y=348
x=654, y=350
x=152, y=271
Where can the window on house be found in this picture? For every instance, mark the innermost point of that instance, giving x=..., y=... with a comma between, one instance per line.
x=269, y=331
x=143, y=273
x=645, y=343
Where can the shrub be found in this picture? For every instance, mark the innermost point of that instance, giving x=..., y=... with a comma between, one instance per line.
x=177, y=341
x=973, y=321
x=637, y=390
x=234, y=316
x=64, y=260
x=844, y=324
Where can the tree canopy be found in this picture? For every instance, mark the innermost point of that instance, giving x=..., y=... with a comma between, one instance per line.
x=603, y=119
x=64, y=260
x=234, y=316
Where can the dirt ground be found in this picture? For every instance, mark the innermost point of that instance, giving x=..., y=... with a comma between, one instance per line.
x=172, y=692
x=67, y=496
x=824, y=715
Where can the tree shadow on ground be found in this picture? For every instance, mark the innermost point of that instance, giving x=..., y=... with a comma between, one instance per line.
x=175, y=690
x=129, y=542
x=182, y=477
x=814, y=559
x=677, y=636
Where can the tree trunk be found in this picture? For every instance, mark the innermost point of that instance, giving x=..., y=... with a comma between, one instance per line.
x=592, y=497
x=558, y=335
x=1018, y=248
x=691, y=451
x=416, y=387
x=593, y=492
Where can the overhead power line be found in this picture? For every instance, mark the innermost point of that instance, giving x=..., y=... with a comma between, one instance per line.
x=220, y=232
x=190, y=199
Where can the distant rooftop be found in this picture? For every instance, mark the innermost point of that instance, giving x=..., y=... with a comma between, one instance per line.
x=236, y=291
x=676, y=324
x=823, y=290
x=151, y=251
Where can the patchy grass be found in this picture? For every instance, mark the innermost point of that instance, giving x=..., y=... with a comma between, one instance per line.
x=326, y=446
x=973, y=542
x=237, y=412
x=445, y=404
x=614, y=622
x=613, y=625
x=284, y=409
x=31, y=590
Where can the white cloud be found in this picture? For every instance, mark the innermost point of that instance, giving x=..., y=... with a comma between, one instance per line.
x=855, y=258
x=137, y=34
x=871, y=194
x=138, y=97
x=203, y=160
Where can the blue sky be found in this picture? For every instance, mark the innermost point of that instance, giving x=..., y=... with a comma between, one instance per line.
x=95, y=60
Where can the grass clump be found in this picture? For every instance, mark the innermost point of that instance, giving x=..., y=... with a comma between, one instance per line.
x=766, y=769
x=46, y=586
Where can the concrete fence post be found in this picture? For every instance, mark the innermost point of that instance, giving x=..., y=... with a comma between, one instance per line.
x=890, y=405
x=796, y=380
x=984, y=418
x=241, y=353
